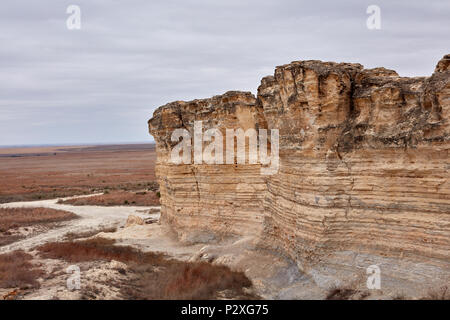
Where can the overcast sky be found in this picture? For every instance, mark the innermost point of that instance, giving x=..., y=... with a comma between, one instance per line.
x=102, y=83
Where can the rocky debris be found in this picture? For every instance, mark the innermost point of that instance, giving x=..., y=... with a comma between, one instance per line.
x=363, y=177
x=134, y=220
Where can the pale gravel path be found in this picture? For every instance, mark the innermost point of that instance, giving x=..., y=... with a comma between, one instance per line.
x=91, y=218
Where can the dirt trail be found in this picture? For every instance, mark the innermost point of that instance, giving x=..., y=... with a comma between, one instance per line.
x=273, y=276
x=91, y=218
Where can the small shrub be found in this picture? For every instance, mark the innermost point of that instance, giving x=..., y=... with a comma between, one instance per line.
x=340, y=293
x=117, y=198
x=16, y=271
x=156, y=276
x=87, y=234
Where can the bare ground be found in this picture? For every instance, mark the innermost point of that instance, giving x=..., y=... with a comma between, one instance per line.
x=272, y=275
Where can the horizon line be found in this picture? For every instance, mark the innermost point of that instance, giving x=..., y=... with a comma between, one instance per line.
x=73, y=144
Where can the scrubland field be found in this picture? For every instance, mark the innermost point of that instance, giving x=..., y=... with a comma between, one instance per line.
x=51, y=172
x=96, y=210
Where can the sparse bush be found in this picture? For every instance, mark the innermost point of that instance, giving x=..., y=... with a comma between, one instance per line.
x=7, y=238
x=202, y=281
x=336, y=293
x=155, y=275
x=12, y=218
x=90, y=292
x=117, y=198
x=16, y=271
x=67, y=173
x=438, y=294
x=87, y=250
x=152, y=186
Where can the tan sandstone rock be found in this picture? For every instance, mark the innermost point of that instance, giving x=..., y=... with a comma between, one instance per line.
x=363, y=177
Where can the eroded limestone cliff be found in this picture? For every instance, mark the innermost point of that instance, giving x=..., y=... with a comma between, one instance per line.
x=204, y=201
x=363, y=174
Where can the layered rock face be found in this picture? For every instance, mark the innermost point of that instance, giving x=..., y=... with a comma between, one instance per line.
x=204, y=202
x=364, y=165
x=364, y=157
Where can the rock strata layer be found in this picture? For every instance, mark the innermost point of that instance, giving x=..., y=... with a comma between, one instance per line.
x=363, y=173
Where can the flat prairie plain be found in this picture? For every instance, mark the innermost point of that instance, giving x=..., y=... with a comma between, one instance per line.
x=51, y=172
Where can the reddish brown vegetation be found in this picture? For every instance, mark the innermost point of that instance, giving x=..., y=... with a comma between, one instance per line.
x=16, y=271
x=7, y=238
x=438, y=294
x=347, y=293
x=74, y=171
x=117, y=198
x=153, y=275
x=11, y=218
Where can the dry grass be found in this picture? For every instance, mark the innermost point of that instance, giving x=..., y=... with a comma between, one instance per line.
x=16, y=271
x=186, y=281
x=91, y=249
x=440, y=294
x=153, y=275
x=117, y=198
x=12, y=218
x=90, y=292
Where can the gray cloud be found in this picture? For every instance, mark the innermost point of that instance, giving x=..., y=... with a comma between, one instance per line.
x=102, y=83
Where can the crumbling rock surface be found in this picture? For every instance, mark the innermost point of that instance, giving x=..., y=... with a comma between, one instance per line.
x=204, y=201
x=363, y=176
